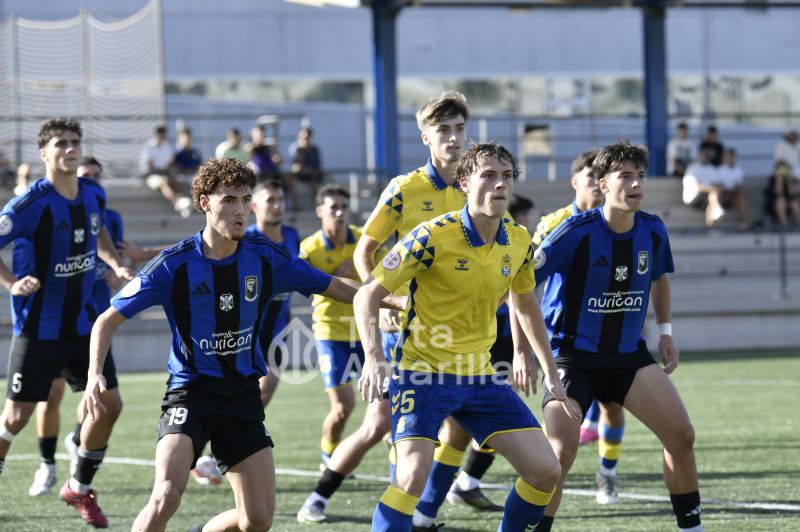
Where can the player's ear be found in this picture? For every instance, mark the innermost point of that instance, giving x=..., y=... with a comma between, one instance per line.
x=463, y=182
x=424, y=136
x=203, y=200
x=603, y=184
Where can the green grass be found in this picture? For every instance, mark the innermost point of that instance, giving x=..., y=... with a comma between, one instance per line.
x=743, y=406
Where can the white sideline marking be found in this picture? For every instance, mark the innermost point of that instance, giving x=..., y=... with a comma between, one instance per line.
x=486, y=485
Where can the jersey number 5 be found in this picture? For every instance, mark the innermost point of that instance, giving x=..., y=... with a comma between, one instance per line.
x=404, y=402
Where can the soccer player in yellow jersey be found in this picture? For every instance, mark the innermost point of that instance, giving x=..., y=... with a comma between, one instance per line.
x=407, y=201
x=459, y=267
x=331, y=250
x=611, y=416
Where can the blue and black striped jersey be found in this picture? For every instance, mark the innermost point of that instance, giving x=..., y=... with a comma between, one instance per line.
x=215, y=308
x=55, y=240
x=101, y=295
x=598, y=281
x=278, y=314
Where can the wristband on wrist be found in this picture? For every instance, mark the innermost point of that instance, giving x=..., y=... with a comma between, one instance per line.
x=665, y=329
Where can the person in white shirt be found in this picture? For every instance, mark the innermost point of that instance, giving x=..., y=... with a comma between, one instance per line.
x=680, y=152
x=701, y=188
x=788, y=151
x=155, y=164
x=733, y=195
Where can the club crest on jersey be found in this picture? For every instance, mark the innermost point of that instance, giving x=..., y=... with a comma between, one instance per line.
x=6, y=225
x=621, y=273
x=226, y=302
x=539, y=258
x=79, y=235
x=94, y=222
x=250, y=288
x=643, y=264
x=391, y=261
x=505, y=269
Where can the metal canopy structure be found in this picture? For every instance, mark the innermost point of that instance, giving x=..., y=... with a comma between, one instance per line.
x=384, y=17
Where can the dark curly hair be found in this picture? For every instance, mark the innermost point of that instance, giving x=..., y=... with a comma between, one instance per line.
x=54, y=126
x=216, y=173
x=469, y=160
x=610, y=158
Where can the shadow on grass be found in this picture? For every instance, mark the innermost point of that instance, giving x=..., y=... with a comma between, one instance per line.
x=727, y=356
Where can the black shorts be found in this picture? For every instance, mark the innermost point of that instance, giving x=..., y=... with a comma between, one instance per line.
x=226, y=413
x=502, y=352
x=33, y=364
x=607, y=378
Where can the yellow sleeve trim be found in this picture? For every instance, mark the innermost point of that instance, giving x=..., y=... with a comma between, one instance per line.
x=447, y=455
x=609, y=451
x=399, y=500
x=531, y=495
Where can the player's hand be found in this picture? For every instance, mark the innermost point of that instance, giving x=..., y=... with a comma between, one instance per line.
x=524, y=369
x=25, y=286
x=388, y=320
x=555, y=387
x=91, y=405
x=669, y=353
x=373, y=374
x=123, y=272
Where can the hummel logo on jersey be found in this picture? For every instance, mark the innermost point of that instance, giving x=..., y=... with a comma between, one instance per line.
x=201, y=290
x=601, y=262
x=462, y=265
x=62, y=226
x=427, y=206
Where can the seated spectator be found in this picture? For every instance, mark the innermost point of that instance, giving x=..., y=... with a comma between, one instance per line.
x=733, y=195
x=788, y=151
x=306, y=162
x=264, y=160
x=156, y=165
x=187, y=159
x=24, y=179
x=781, y=196
x=701, y=188
x=6, y=173
x=232, y=147
x=713, y=146
x=680, y=152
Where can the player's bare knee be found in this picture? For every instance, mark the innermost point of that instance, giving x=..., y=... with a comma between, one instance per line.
x=412, y=482
x=342, y=410
x=17, y=416
x=374, y=432
x=255, y=523
x=681, y=439
x=167, y=497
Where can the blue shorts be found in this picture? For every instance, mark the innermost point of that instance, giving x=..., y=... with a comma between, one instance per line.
x=338, y=360
x=388, y=343
x=420, y=403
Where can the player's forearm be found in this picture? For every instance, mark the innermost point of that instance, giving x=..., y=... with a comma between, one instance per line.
x=102, y=333
x=107, y=251
x=365, y=307
x=521, y=344
x=364, y=256
x=7, y=277
x=662, y=300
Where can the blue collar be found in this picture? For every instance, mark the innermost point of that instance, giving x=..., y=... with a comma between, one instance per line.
x=198, y=245
x=351, y=239
x=434, y=177
x=473, y=238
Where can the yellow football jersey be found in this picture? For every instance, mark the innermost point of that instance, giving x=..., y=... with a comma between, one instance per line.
x=333, y=320
x=553, y=220
x=455, y=285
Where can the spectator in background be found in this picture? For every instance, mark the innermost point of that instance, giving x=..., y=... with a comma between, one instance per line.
x=6, y=173
x=788, y=151
x=306, y=161
x=733, y=195
x=24, y=179
x=156, y=165
x=781, y=195
x=701, y=188
x=680, y=152
x=713, y=146
x=232, y=147
x=187, y=159
x=264, y=160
